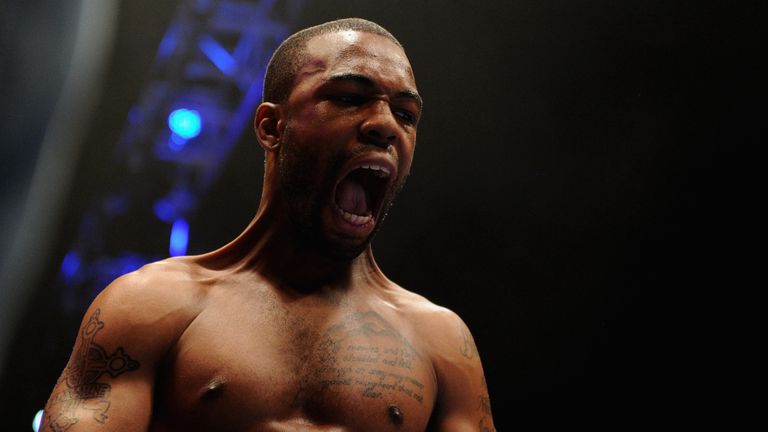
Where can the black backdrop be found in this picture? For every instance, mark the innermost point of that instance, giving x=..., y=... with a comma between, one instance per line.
x=572, y=196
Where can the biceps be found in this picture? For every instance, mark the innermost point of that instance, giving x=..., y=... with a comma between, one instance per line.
x=464, y=403
x=465, y=421
x=125, y=405
x=99, y=385
x=464, y=425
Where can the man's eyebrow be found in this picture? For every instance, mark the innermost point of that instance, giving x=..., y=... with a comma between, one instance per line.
x=360, y=79
x=408, y=94
x=366, y=81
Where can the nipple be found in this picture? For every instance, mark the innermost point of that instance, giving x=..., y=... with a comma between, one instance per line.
x=214, y=387
x=395, y=414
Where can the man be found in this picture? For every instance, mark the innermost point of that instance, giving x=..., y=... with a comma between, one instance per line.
x=291, y=326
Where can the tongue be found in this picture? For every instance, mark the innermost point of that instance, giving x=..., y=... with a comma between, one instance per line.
x=351, y=197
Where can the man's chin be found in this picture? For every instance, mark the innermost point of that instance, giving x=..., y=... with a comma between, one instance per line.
x=345, y=247
x=332, y=244
x=346, y=251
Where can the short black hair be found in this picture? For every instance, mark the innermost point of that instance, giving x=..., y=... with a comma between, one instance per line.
x=289, y=56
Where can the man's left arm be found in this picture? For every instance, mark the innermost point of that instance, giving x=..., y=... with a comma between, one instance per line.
x=463, y=403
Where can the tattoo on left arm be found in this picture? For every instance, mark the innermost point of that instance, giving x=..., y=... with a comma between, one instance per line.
x=82, y=390
x=468, y=348
x=484, y=406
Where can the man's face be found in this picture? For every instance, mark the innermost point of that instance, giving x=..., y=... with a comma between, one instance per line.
x=349, y=138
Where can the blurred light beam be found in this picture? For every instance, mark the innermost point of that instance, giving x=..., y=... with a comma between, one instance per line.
x=218, y=55
x=179, y=237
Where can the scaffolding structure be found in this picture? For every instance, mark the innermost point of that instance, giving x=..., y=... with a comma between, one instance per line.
x=204, y=86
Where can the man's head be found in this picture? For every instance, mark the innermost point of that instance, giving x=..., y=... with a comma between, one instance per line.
x=339, y=127
x=291, y=54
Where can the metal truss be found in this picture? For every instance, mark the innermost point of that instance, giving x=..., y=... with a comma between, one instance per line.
x=209, y=66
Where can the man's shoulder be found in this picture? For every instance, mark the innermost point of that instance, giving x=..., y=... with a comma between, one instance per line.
x=145, y=312
x=417, y=307
x=442, y=331
x=172, y=274
x=429, y=318
x=160, y=289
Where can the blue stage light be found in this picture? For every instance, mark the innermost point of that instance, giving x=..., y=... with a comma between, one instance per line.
x=164, y=209
x=218, y=55
x=179, y=237
x=176, y=142
x=170, y=41
x=36, y=421
x=127, y=263
x=70, y=265
x=185, y=123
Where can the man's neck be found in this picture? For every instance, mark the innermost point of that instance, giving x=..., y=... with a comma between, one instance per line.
x=272, y=247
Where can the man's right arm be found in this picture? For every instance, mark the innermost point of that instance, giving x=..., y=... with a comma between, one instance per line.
x=108, y=382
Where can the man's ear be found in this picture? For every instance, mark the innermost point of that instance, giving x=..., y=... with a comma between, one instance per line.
x=268, y=125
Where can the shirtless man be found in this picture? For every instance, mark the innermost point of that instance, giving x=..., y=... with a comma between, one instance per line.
x=292, y=326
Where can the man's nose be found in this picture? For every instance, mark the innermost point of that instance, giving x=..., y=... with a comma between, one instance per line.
x=380, y=126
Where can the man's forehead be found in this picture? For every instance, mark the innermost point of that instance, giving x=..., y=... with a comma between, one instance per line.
x=355, y=49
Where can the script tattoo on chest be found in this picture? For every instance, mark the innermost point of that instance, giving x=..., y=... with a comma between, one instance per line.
x=367, y=354
x=81, y=389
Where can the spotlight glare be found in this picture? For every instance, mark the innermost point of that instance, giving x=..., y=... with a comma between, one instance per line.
x=185, y=123
x=70, y=264
x=179, y=237
x=37, y=420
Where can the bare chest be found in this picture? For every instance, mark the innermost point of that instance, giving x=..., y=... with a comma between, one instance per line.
x=350, y=371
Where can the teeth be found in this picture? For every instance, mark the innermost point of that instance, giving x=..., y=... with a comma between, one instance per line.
x=380, y=171
x=353, y=218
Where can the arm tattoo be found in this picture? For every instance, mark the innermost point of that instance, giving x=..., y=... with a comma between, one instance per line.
x=82, y=390
x=468, y=348
x=484, y=406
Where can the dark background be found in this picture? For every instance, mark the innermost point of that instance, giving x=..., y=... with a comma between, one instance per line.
x=576, y=197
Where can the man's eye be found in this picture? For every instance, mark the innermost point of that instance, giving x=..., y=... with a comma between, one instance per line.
x=348, y=99
x=406, y=116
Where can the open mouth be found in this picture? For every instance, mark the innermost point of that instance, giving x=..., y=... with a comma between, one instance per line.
x=359, y=195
